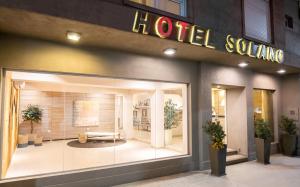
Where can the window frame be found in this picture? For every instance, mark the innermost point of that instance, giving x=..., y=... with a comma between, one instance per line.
x=272, y=41
x=189, y=155
x=186, y=18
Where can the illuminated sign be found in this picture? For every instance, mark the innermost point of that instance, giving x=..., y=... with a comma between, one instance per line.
x=165, y=27
x=249, y=48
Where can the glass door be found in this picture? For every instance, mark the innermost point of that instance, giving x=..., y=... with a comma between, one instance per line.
x=263, y=107
x=219, y=107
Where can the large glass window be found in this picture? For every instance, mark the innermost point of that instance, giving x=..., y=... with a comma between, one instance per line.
x=177, y=7
x=263, y=107
x=257, y=20
x=57, y=123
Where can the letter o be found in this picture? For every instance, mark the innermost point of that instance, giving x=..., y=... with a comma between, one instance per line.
x=241, y=46
x=160, y=23
x=279, y=56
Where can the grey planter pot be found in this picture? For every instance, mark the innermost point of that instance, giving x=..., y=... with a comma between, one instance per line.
x=263, y=150
x=218, y=161
x=288, y=144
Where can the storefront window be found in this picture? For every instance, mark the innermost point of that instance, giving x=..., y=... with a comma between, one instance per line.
x=257, y=20
x=263, y=107
x=177, y=7
x=89, y=122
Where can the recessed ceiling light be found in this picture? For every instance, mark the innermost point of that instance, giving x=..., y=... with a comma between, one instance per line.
x=281, y=71
x=243, y=64
x=218, y=86
x=170, y=51
x=73, y=36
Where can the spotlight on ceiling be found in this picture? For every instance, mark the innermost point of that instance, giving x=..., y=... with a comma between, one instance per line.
x=243, y=64
x=170, y=51
x=281, y=71
x=73, y=36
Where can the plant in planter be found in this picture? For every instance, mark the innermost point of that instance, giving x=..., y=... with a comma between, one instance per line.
x=289, y=136
x=33, y=114
x=170, y=120
x=262, y=141
x=217, y=149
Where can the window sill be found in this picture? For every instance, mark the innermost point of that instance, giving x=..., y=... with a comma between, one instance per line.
x=258, y=41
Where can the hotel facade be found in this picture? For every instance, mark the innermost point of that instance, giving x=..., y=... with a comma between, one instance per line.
x=120, y=89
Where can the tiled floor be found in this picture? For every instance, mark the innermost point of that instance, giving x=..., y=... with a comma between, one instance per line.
x=282, y=172
x=57, y=156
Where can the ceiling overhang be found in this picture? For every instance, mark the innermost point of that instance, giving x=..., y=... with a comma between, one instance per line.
x=52, y=28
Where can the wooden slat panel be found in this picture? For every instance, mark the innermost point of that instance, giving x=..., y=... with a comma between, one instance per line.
x=58, y=113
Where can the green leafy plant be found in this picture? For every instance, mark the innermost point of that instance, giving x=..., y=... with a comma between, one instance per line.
x=170, y=116
x=216, y=134
x=33, y=114
x=288, y=125
x=262, y=129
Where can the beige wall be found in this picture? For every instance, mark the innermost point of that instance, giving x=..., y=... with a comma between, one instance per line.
x=58, y=116
x=291, y=96
x=236, y=117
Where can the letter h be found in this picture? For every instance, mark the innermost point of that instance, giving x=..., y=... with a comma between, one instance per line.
x=141, y=20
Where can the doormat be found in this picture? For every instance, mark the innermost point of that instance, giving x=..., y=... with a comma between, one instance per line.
x=96, y=143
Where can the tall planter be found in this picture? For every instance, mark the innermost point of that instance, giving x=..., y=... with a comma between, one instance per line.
x=218, y=160
x=263, y=141
x=288, y=144
x=298, y=146
x=289, y=137
x=168, y=136
x=217, y=149
x=263, y=150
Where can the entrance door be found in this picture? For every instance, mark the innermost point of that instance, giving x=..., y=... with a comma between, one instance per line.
x=230, y=109
x=263, y=107
x=219, y=107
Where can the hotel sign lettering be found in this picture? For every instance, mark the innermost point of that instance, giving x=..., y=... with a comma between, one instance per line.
x=259, y=51
x=164, y=27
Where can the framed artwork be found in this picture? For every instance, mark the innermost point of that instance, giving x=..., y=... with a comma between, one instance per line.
x=144, y=113
x=86, y=113
x=293, y=113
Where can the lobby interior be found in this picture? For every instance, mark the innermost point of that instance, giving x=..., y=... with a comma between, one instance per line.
x=89, y=122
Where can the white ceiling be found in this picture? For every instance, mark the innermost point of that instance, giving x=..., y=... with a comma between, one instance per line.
x=60, y=81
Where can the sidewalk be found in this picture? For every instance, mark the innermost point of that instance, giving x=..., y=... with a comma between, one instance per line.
x=282, y=172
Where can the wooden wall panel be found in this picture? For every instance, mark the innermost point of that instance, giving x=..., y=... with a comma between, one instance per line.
x=57, y=120
x=10, y=126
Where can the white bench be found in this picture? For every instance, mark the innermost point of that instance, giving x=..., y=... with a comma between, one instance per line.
x=103, y=135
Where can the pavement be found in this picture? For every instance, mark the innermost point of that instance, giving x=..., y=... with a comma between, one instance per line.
x=282, y=172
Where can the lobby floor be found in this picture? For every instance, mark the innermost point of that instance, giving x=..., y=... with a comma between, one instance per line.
x=282, y=172
x=57, y=156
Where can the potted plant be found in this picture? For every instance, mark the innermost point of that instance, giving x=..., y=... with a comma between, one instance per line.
x=217, y=149
x=289, y=136
x=33, y=114
x=262, y=141
x=170, y=120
